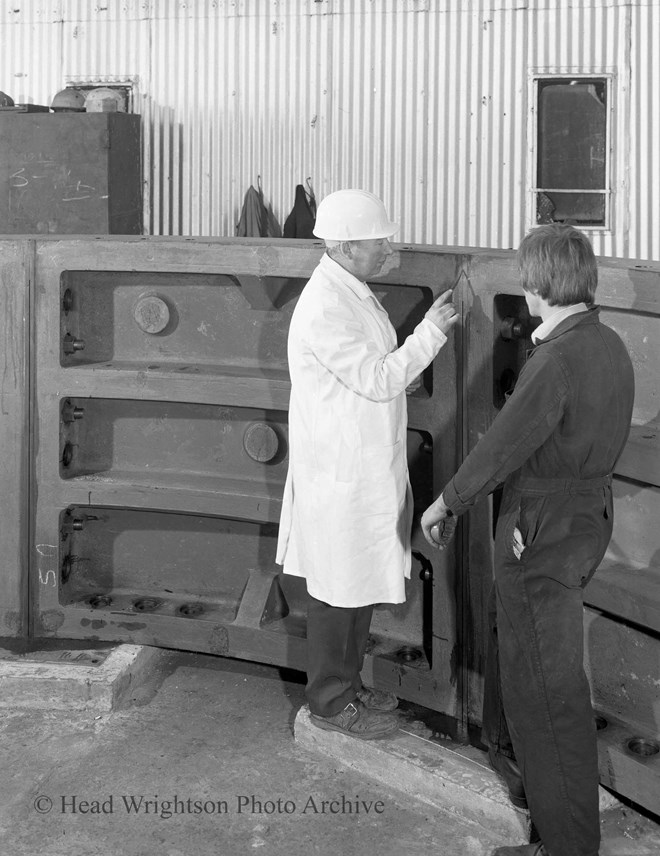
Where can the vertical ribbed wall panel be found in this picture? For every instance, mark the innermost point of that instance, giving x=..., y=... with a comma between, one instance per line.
x=243, y=102
x=591, y=38
x=645, y=118
x=425, y=102
x=30, y=60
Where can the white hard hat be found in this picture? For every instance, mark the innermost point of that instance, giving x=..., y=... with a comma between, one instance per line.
x=104, y=100
x=352, y=215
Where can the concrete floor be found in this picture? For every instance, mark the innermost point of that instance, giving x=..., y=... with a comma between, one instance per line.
x=216, y=736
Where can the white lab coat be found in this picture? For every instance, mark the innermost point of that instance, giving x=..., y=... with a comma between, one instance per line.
x=347, y=507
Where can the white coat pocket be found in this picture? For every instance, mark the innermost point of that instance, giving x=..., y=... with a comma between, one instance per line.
x=383, y=479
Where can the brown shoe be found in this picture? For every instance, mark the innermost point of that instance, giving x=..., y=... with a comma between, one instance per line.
x=358, y=721
x=377, y=699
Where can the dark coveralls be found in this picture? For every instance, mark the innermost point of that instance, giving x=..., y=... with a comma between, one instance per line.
x=554, y=444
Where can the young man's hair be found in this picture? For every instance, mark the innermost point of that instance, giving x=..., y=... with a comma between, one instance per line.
x=557, y=262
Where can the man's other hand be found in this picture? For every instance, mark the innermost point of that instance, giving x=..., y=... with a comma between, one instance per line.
x=438, y=524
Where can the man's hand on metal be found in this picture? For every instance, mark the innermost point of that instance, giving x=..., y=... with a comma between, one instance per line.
x=442, y=312
x=438, y=524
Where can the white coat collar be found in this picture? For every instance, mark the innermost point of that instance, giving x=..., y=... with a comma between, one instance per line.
x=337, y=272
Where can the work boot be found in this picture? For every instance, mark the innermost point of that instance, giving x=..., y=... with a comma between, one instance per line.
x=508, y=770
x=521, y=850
x=377, y=699
x=358, y=721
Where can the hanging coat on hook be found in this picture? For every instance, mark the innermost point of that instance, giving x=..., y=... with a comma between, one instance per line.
x=252, y=223
x=300, y=222
x=257, y=220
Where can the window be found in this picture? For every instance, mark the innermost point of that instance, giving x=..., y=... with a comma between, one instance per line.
x=125, y=88
x=572, y=151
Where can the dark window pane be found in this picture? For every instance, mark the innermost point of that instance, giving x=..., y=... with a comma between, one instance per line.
x=572, y=135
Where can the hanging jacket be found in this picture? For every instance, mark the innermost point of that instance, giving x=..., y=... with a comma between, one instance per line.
x=257, y=220
x=300, y=222
x=254, y=216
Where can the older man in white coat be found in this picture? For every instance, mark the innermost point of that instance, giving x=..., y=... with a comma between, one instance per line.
x=347, y=509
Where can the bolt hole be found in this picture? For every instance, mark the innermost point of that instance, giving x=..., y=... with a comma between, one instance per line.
x=98, y=601
x=67, y=454
x=641, y=746
x=601, y=722
x=67, y=567
x=147, y=604
x=190, y=610
x=67, y=301
x=408, y=654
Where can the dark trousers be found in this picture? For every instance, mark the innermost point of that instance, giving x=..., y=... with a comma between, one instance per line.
x=336, y=641
x=537, y=701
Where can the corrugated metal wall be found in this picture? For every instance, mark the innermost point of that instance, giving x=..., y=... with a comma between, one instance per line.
x=426, y=102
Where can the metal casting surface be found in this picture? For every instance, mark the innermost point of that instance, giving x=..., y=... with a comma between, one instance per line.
x=158, y=455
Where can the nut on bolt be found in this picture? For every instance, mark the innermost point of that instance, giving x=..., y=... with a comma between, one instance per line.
x=73, y=524
x=512, y=328
x=70, y=412
x=71, y=345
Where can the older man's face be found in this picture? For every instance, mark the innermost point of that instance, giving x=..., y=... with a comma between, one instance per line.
x=368, y=257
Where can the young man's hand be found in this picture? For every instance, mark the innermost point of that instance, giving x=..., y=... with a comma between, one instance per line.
x=442, y=312
x=438, y=524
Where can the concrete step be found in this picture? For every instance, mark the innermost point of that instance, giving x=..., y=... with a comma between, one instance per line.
x=456, y=780
x=81, y=679
x=426, y=771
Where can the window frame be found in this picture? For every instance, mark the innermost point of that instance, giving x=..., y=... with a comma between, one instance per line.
x=125, y=86
x=608, y=78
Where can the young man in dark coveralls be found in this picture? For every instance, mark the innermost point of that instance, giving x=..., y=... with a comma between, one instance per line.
x=554, y=444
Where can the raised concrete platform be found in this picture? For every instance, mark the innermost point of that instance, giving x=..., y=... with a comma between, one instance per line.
x=78, y=679
x=426, y=771
x=455, y=780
